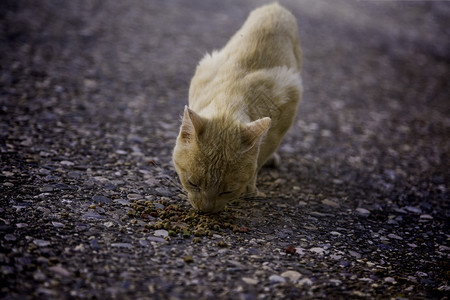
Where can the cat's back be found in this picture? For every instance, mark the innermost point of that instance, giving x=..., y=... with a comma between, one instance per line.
x=268, y=38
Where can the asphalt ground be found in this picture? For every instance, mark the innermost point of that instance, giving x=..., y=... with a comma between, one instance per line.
x=91, y=94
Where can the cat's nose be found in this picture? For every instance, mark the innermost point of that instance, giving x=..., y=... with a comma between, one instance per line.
x=207, y=206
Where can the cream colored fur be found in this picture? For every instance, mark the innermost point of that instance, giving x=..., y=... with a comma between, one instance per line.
x=242, y=100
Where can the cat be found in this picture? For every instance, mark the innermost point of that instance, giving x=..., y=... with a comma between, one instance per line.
x=242, y=101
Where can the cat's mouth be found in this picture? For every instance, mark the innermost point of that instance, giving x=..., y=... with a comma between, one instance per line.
x=207, y=206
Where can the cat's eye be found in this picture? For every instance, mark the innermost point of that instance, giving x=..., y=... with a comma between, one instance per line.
x=193, y=185
x=225, y=193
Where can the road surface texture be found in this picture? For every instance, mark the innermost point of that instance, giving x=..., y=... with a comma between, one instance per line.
x=91, y=94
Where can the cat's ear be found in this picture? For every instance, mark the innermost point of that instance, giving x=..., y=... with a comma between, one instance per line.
x=253, y=133
x=191, y=125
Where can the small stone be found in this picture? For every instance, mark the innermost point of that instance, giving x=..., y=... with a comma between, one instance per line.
x=354, y=254
x=46, y=189
x=101, y=199
x=250, y=281
x=122, y=245
x=162, y=233
x=39, y=276
x=335, y=281
x=305, y=281
x=8, y=174
x=362, y=212
x=292, y=275
x=188, y=259
x=21, y=225
x=66, y=163
x=122, y=202
x=330, y=203
x=317, y=250
x=41, y=243
x=108, y=224
x=134, y=197
x=156, y=239
x=277, y=278
x=10, y=237
x=79, y=248
x=335, y=233
x=390, y=280
x=413, y=209
x=57, y=224
x=302, y=203
x=60, y=271
x=335, y=256
x=394, y=236
x=92, y=215
x=143, y=242
x=8, y=184
x=300, y=251
x=159, y=206
x=426, y=217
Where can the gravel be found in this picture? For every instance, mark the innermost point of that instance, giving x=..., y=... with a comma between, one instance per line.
x=90, y=98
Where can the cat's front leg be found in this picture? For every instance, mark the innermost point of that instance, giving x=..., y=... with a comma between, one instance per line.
x=252, y=190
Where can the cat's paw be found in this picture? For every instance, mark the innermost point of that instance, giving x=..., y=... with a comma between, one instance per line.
x=252, y=191
x=260, y=194
x=274, y=161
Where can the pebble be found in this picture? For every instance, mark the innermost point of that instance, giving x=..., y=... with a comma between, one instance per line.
x=21, y=225
x=426, y=217
x=122, y=202
x=294, y=276
x=161, y=233
x=60, y=271
x=335, y=281
x=156, y=239
x=143, y=242
x=66, y=163
x=122, y=245
x=362, y=212
x=413, y=209
x=57, y=224
x=249, y=280
x=134, y=197
x=354, y=253
x=10, y=237
x=39, y=276
x=394, y=236
x=331, y=203
x=101, y=199
x=277, y=278
x=159, y=206
x=300, y=251
x=317, y=250
x=108, y=224
x=390, y=280
x=41, y=243
x=92, y=215
x=305, y=281
x=335, y=256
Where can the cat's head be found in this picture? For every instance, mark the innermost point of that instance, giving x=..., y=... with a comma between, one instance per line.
x=216, y=158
